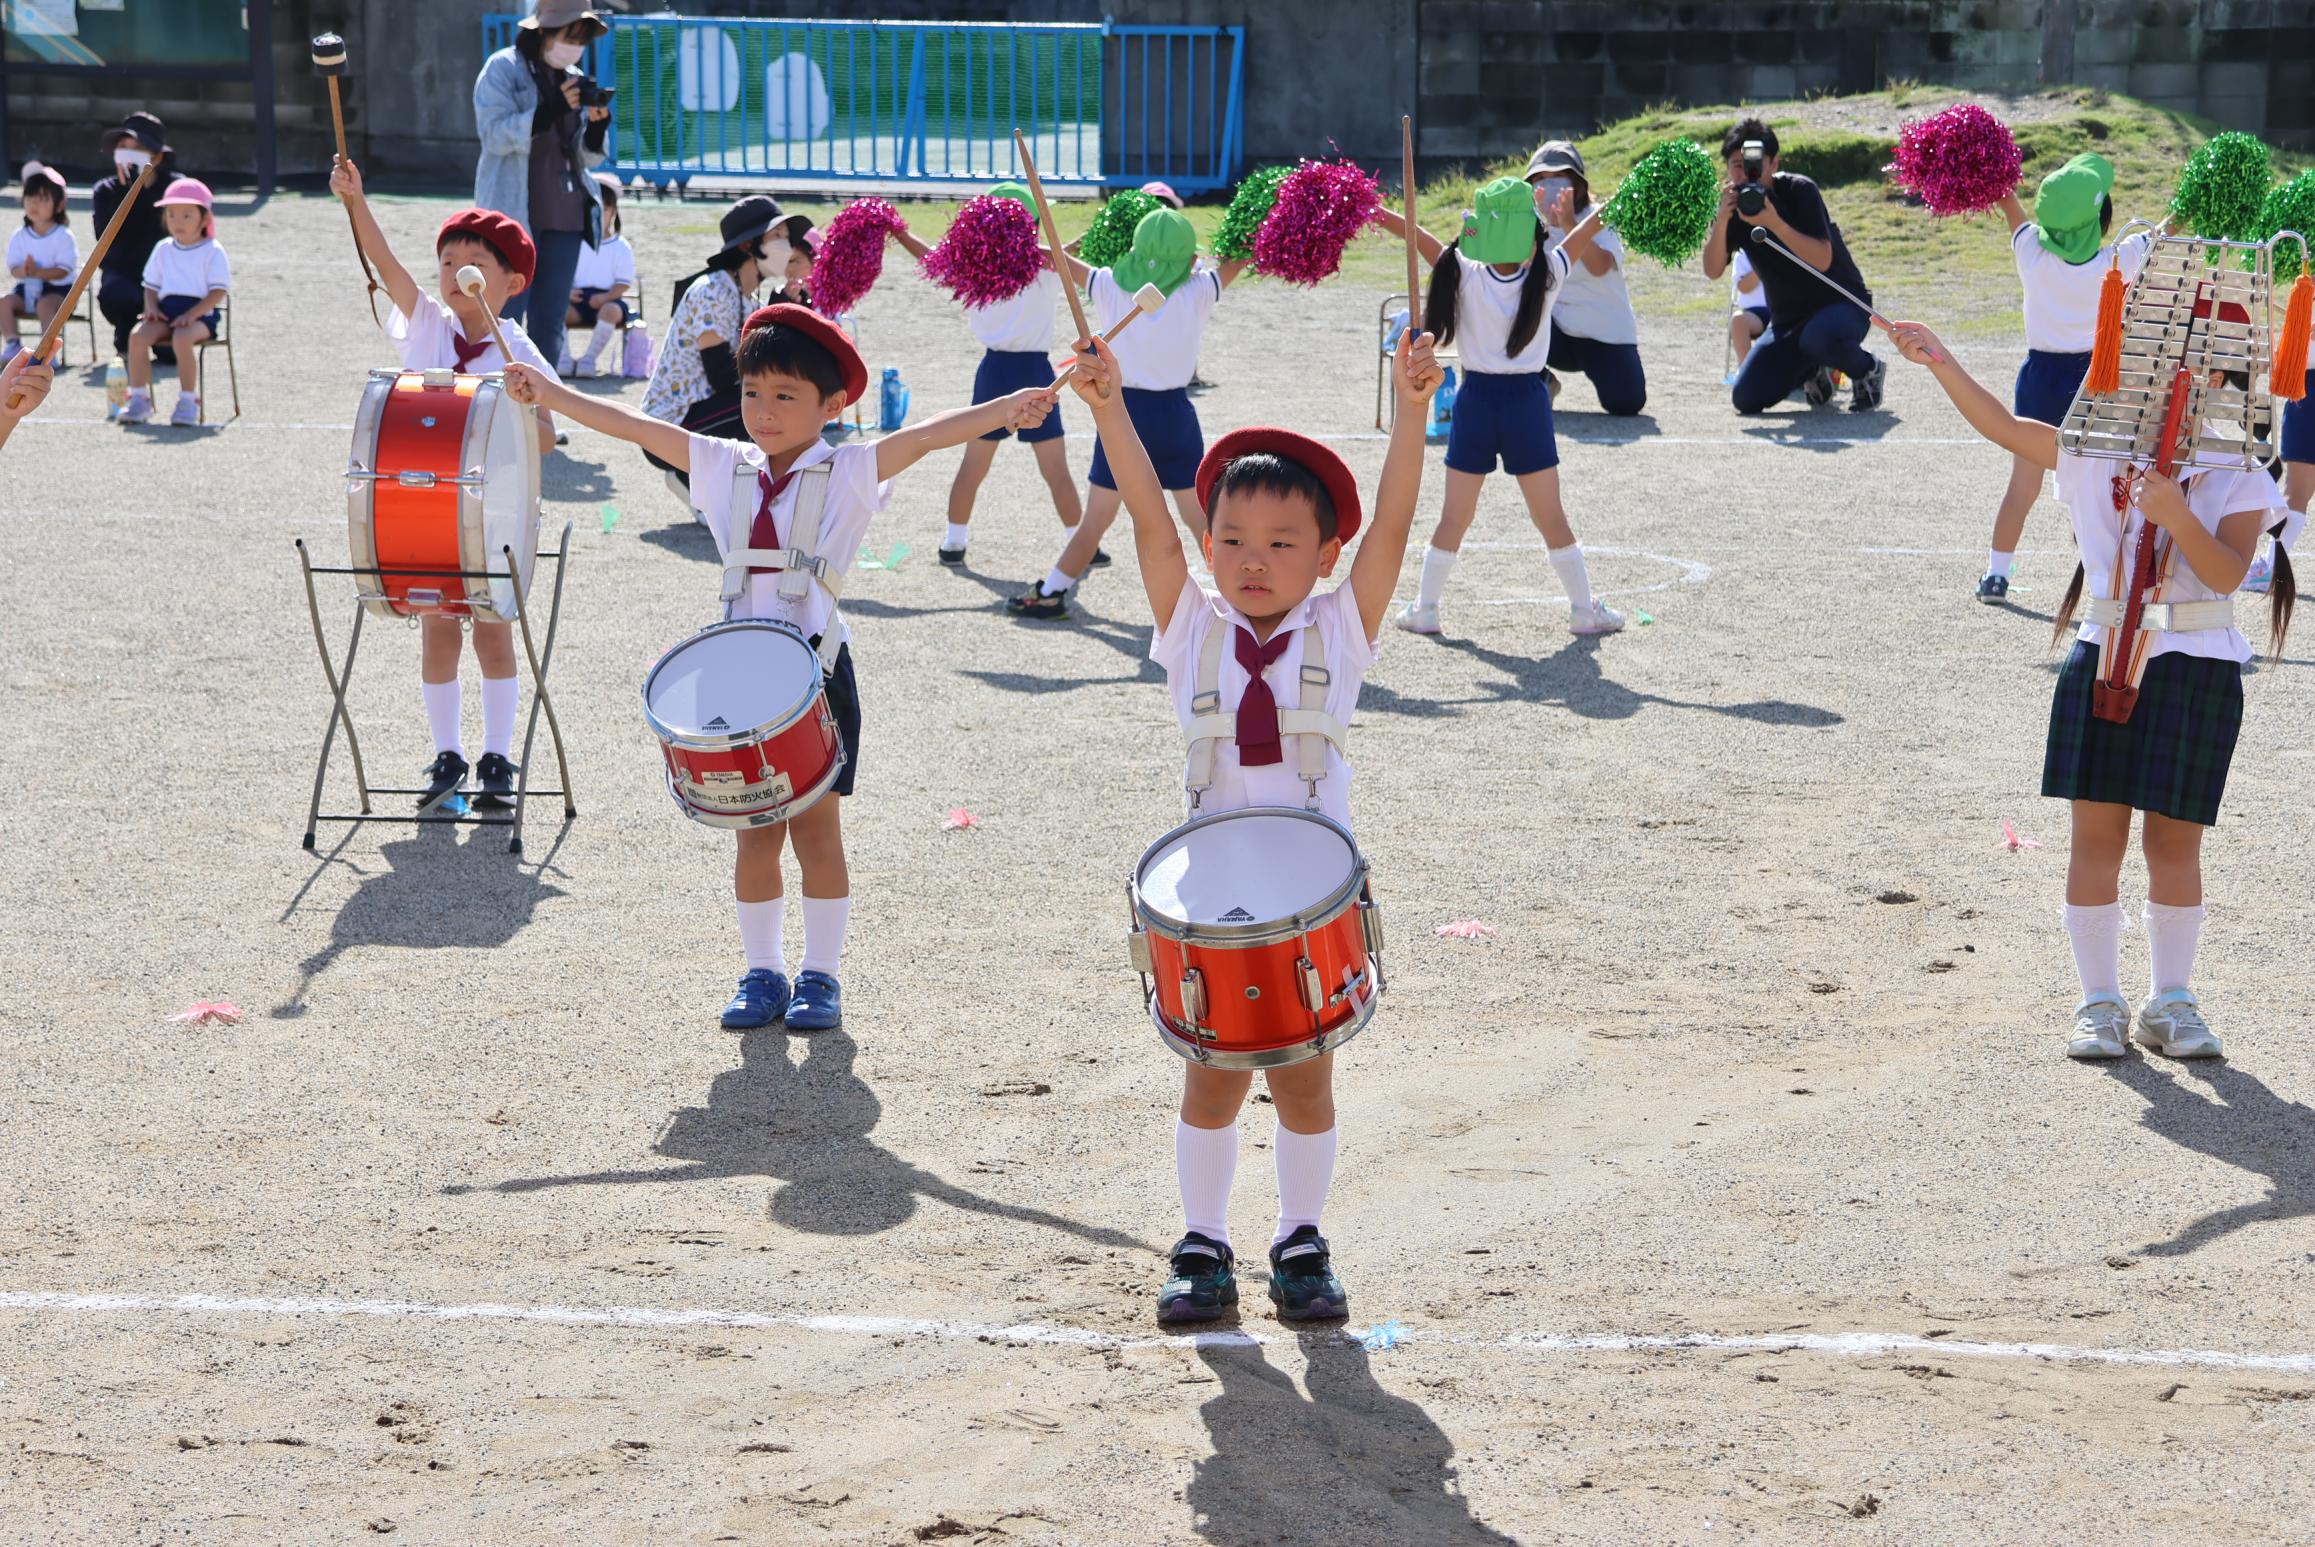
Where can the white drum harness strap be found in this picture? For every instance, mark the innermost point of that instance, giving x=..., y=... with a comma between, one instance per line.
x=800, y=564
x=1309, y=727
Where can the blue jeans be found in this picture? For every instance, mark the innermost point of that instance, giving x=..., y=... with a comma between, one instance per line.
x=558, y=266
x=1787, y=355
x=1614, y=370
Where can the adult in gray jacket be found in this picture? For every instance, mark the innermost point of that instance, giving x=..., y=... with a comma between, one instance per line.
x=540, y=134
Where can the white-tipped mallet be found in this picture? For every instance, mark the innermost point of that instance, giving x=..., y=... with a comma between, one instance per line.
x=1148, y=298
x=470, y=282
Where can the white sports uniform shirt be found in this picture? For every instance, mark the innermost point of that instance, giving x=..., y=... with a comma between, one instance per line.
x=854, y=498
x=2062, y=297
x=1595, y=306
x=1159, y=352
x=426, y=342
x=600, y=268
x=2086, y=484
x=174, y=269
x=1329, y=622
x=56, y=250
x=1485, y=304
x=1024, y=324
x=1740, y=269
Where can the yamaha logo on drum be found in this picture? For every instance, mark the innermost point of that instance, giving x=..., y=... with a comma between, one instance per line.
x=1236, y=916
x=716, y=724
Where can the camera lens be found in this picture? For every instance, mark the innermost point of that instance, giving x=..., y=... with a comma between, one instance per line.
x=1751, y=198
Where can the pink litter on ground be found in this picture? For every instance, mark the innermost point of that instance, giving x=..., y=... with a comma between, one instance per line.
x=851, y=255
x=958, y=820
x=1321, y=205
x=1466, y=929
x=2012, y=842
x=1959, y=161
x=208, y=1012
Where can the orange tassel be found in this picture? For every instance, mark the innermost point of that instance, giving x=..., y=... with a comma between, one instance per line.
x=2289, y=376
x=2106, y=351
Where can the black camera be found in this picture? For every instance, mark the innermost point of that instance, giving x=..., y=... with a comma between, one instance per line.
x=1751, y=195
x=593, y=95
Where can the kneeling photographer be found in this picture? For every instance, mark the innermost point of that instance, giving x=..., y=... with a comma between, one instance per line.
x=1812, y=331
x=542, y=123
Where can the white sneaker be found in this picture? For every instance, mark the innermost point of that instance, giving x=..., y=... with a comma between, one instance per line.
x=137, y=410
x=187, y=411
x=2171, y=1024
x=584, y=367
x=1419, y=618
x=1597, y=618
x=2101, y=1028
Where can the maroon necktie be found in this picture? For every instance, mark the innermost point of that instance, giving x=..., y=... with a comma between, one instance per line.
x=1258, y=711
x=467, y=353
x=762, y=533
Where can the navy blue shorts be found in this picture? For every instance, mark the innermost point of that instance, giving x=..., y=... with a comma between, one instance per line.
x=1760, y=312
x=1003, y=372
x=2047, y=383
x=176, y=306
x=843, y=691
x=1167, y=423
x=588, y=304
x=2299, y=426
x=1502, y=416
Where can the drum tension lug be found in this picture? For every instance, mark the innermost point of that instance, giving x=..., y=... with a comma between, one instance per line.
x=1313, y=991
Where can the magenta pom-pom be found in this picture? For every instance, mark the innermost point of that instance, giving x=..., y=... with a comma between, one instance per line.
x=990, y=254
x=1959, y=161
x=851, y=255
x=1320, y=207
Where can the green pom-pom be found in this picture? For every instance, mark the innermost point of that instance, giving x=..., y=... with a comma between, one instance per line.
x=1665, y=205
x=2223, y=185
x=1249, y=207
x=2290, y=207
x=1111, y=235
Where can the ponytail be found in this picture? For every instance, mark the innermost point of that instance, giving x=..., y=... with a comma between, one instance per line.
x=1533, y=291
x=1439, y=307
x=2066, y=606
x=2282, y=597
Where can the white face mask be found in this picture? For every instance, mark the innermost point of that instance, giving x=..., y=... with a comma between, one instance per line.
x=135, y=160
x=561, y=56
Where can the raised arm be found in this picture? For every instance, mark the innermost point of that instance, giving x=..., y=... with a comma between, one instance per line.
x=912, y=244
x=401, y=289
x=1716, y=245
x=1395, y=223
x=1156, y=540
x=1078, y=272
x=1229, y=269
x=1582, y=243
x=2013, y=211
x=1022, y=410
x=1382, y=552
x=2029, y=438
x=670, y=443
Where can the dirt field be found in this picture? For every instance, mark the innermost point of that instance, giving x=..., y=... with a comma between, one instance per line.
x=477, y=1229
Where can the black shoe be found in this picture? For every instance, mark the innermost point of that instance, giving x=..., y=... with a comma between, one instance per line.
x=496, y=776
x=1818, y=389
x=1035, y=603
x=952, y=555
x=1302, y=1281
x=1202, y=1287
x=1865, y=391
x=1100, y=559
x=1993, y=590
x=444, y=776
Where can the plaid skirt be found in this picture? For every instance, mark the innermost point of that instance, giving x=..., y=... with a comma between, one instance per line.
x=2172, y=756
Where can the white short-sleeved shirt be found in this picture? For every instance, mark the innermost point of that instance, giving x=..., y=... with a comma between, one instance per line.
x=427, y=342
x=174, y=269
x=1329, y=621
x=2062, y=297
x=2086, y=484
x=854, y=498
x=1595, y=306
x=600, y=268
x=1485, y=304
x=1160, y=351
x=1024, y=324
x=1740, y=270
x=56, y=250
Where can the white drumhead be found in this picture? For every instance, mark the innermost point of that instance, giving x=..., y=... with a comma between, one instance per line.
x=732, y=678
x=502, y=439
x=1247, y=867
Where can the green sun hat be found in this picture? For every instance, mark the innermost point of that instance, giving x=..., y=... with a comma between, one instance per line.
x=1017, y=192
x=1165, y=246
x=1500, y=226
x=2066, y=209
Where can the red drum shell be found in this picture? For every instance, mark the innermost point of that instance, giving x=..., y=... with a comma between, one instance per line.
x=741, y=713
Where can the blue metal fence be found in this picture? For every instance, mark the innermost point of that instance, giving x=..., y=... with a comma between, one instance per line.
x=738, y=99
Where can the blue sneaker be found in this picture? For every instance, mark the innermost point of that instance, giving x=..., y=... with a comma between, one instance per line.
x=818, y=1005
x=1993, y=590
x=762, y=995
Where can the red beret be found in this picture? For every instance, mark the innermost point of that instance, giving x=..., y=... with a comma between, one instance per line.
x=502, y=234
x=2229, y=311
x=787, y=314
x=1330, y=470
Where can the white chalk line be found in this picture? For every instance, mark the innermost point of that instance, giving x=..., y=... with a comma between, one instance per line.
x=1854, y=1345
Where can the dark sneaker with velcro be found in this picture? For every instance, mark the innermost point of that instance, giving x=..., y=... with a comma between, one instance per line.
x=496, y=776
x=1818, y=389
x=1302, y=1281
x=952, y=555
x=1993, y=589
x=1203, y=1287
x=1100, y=558
x=444, y=777
x=1865, y=391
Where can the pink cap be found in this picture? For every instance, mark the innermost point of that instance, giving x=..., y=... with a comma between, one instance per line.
x=192, y=191
x=35, y=171
x=1163, y=193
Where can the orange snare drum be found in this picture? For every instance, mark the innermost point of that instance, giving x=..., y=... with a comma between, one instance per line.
x=444, y=478
x=1257, y=937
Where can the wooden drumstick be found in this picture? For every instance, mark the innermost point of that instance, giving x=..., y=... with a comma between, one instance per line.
x=55, y=329
x=1407, y=185
x=329, y=59
x=470, y=281
x=1053, y=236
x=1148, y=298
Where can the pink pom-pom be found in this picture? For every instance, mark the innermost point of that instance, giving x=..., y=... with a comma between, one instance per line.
x=1959, y=161
x=851, y=254
x=990, y=254
x=1321, y=205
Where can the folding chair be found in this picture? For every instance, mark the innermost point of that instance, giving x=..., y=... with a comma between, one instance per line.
x=223, y=340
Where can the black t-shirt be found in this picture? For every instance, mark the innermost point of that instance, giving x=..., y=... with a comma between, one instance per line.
x=141, y=232
x=1794, y=290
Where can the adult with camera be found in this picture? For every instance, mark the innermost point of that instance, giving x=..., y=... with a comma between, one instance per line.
x=1812, y=331
x=542, y=124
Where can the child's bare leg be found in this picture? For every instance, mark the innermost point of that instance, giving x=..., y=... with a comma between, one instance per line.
x=1304, y=1094
x=1455, y=516
x=2298, y=484
x=182, y=338
x=1206, y=1146
x=11, y=308
x=2101, y=834
x=1053, y=464
x=756, y=863
x=50, y=304
x=141, y=341
x=439, y=644
x=965, y=488
x=1101, y=507
x=2173, y=861
x=1303, y=1147
x=1211, y=1097
x=1543, y=507
x=2009, y=523
x=818, y=833
x=493, y=649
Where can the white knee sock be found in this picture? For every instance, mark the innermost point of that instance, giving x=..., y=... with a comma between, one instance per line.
x=1568, y=563
x=498, y=703
x=824, y=921
x=1305, y=1172
x=1057, y=580
x=1438, y=564
x=442, y=704
x=2096, y=933
x=2171, y=937
x=1999, y=563
x=1205, y=1163
x=597, y=339
x=760, y=928
x=959, y=533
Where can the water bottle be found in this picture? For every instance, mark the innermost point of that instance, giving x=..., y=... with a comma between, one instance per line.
x=892, y=402
x=1442, y=407
x=116, y=387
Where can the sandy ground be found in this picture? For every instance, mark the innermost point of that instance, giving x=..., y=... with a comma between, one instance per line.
x=1769, y=1040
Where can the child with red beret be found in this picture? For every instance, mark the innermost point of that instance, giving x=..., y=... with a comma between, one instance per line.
x=451, y=333
x=1278, y=508
x=787, y=493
